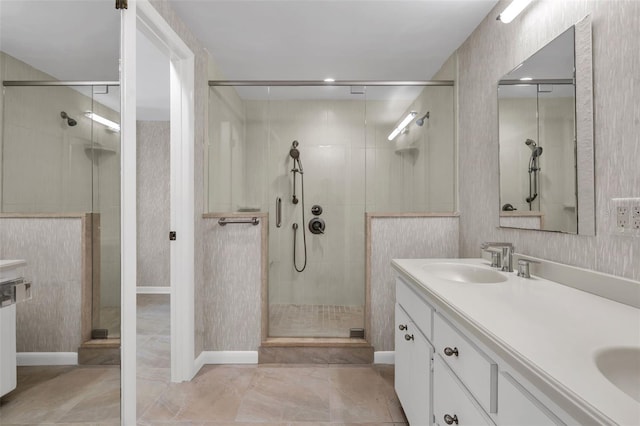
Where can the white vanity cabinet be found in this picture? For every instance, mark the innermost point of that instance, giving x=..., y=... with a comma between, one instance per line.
x=444, y=376
x=413, y=357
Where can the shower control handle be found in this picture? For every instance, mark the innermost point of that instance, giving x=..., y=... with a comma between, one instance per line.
x=278, y=212
x=316, y=210
x=316, y=226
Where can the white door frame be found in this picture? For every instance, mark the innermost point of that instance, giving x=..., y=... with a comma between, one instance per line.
x=143, y=16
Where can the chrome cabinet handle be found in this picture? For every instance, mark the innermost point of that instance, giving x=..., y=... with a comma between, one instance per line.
x=402, y=327
x=408, y=337
x=449, y=352
x=450, y=420
x=278, y=212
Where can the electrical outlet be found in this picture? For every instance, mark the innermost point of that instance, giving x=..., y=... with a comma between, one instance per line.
x=622, y=218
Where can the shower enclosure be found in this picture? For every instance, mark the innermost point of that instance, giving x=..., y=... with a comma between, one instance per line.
x=317, y=157
x=61, y=156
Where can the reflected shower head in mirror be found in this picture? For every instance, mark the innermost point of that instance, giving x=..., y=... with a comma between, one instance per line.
x=420, y=121
x=536, y=151
x=70, y=121
x=295, y=154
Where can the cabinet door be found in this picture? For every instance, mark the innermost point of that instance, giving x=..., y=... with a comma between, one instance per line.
x=413, y=355
x=452, y=404
x=518, y=407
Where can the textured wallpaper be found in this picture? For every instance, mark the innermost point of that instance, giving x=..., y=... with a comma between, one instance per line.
x=153, y=203
x=402, y=238
x=232, y=271
x=51, y=320
x=495, y=48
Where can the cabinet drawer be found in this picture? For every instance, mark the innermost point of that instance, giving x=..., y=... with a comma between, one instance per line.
x=421, y=312
x=451, y=399
x=516, y=406
x=477, y=371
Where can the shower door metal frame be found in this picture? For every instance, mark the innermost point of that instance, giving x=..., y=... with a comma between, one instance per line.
x=321, y=83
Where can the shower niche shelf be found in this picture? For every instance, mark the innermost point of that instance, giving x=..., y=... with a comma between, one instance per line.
x=97, y=149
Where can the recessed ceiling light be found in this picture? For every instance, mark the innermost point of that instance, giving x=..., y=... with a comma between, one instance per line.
x=329, y=80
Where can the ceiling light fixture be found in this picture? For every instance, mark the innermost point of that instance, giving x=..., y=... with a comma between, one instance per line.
x=404, y=123
x=111, y=125
x=513, y=10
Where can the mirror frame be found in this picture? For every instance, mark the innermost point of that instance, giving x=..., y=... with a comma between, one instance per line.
x=585, y=174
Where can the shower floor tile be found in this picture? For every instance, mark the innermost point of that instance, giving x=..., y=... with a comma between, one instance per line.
x=314, y=320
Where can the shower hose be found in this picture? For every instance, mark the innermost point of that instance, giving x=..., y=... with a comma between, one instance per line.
x=295, y=228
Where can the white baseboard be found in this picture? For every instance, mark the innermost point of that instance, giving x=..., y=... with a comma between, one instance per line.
x=224, y=357
x=46, y=358
x=384, y=357
x=153, y=290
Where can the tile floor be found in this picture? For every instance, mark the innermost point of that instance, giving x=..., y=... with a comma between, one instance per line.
x=259, y=395
x=314, y=320
x=63, y=395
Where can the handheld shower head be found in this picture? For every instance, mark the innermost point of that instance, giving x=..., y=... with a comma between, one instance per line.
x=537, y=152
x=420, y=121
x=530, y=143
x=70, y=121
x=295, y=154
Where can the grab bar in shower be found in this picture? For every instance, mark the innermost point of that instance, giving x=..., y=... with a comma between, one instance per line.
x=241, y=220
x=278, y=212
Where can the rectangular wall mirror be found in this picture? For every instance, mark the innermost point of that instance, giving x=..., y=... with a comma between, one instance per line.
x=545, y=127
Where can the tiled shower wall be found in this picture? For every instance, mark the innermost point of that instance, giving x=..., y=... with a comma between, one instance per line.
x=153, y=203
x=495, y=48
x=555, y=134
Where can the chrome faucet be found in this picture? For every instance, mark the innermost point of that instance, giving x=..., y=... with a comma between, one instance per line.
x=506, y=254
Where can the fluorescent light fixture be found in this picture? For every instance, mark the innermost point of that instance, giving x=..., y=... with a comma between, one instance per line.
x=526, y=79
x=111, y=125
x=404, y=123
x=329, y=80
x=513, y=10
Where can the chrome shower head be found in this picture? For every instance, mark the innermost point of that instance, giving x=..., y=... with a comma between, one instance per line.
x=420, y=121
x=70, y=121
x=295, y=154
x=530, y=143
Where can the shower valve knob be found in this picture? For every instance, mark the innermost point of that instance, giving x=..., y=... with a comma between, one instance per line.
x=316, y=210
x=316, y=226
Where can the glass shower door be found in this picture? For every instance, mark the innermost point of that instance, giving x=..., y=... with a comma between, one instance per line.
x=316, y=255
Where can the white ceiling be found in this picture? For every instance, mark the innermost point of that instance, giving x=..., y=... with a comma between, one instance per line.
x=248, y=39
x=345, y=40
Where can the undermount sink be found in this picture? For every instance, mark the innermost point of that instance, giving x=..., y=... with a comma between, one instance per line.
x=464, y=273
x=621, y=366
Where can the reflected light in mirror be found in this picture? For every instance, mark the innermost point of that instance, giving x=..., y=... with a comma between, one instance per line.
x=404, y=123
x=513, y=10
x=112, y=125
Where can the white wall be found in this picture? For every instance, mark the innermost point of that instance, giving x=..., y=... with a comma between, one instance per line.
x=494, y=49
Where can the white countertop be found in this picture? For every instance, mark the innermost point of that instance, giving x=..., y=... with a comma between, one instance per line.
x=10, y=264
x=553, y=328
